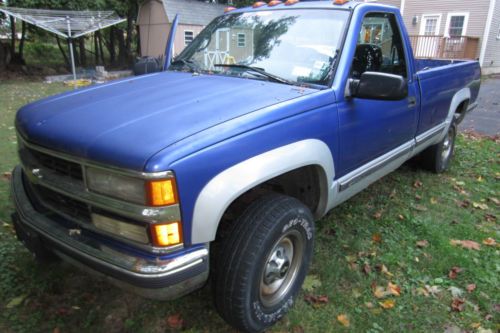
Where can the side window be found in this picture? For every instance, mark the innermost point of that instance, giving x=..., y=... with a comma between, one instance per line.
x=188, y=37
x=379, y=47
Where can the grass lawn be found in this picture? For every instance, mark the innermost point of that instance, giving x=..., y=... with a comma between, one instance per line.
x=398, y=230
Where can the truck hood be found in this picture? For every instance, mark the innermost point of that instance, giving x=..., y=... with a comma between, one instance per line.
x=124, y=123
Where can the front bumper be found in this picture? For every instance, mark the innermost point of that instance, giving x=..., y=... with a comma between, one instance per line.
x=152, y=276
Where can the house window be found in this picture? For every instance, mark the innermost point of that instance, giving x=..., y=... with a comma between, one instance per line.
x=456, y=24
x=242, y=40
x=188, y=37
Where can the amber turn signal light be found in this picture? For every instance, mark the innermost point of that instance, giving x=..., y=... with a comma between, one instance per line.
x=162, y=192
x=167, y=234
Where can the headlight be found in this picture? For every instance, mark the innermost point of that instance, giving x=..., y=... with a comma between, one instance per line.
x=116, y=185
x=124, y=229
x=157, y=192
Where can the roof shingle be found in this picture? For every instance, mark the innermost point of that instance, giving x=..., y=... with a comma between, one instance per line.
x=192, y=11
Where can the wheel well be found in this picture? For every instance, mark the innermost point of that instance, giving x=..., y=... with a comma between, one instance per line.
x=303, y=184
x=460, y=111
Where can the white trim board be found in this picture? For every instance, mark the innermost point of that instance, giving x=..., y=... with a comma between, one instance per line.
x=484, y=40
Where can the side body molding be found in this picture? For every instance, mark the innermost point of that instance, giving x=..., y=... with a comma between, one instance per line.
x=228, y=185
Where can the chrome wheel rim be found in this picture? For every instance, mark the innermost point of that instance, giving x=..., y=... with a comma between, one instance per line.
x=281, y=268
x=447, y=145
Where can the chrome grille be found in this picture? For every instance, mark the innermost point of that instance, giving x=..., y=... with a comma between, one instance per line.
x=62, y=204
x=55, y=164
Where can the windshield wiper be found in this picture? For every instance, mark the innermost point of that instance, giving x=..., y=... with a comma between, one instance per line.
x=262, y=72
x=188, y=63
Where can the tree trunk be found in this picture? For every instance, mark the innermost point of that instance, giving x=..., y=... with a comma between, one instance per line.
x=21, y=43
x=99, y=40
x=128, y=42
x=66, y=60
x=121, y=47
x=96, y=50
x=13, y=35
x=110, y=45
x=83, y=55
x=138, y=46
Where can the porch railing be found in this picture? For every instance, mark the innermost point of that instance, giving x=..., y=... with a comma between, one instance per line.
x=461, y=47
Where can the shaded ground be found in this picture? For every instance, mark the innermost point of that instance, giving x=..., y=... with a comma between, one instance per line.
x=485, y=119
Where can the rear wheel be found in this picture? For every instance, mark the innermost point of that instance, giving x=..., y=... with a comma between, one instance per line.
x=263, y=262
x=437, y=158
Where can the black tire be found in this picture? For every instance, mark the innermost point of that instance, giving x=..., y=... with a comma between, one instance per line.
x=437, y=158
x=275, y=236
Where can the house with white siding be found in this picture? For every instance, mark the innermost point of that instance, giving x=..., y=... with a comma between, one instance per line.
x=155, y=20
x=454, y=29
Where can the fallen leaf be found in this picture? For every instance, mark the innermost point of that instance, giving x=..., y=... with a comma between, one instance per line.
x=489, y=241
x=471, y=287
x=480, y=179
x=356, y=293
x=369, y=305
x=377, y=215
x=494, y=200
x=475, y=325
x=7, y=176
x=452, y=329
x=367, y=269
x=418, y=197
x=316, y=300
x=434, y=201
x=311, y=282
x=463, y=203
x=388, y=304
x=432, y=290
x=380, y=292
x=484, y=330
x=175, y=321
x=458, y=305
x=422, y=292
x=420, y=208
x=417, y=184
x=383, y=269
x=466, y=244
x=342, y=318
x=422, y=243
x=298, y=329
x=479, y=205
x=377, y=238
x=394, y=289
x=490, y=217
x=16, y=301
x=452, y=274
x=401, y=217
x=456, y=292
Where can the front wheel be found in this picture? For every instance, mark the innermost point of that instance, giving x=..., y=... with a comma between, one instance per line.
x=263, y=262
x=437, y=158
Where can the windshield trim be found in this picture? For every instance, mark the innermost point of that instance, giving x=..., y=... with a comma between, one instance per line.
x=339, y=51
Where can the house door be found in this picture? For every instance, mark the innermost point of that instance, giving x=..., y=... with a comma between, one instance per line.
x=221, y=52
x=428, y=41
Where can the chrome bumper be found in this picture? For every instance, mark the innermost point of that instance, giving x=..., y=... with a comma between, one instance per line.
x=159, y=277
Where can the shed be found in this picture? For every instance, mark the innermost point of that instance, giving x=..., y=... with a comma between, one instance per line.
x=156, y=16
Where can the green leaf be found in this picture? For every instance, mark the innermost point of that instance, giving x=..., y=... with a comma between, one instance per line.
x=311, y=282
x=16, y=301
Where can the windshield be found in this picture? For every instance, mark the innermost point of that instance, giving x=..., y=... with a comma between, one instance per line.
x=291, y=46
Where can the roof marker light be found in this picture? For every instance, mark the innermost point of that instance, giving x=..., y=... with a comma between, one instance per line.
x=340, y=2
x=291, y=2
x=258, y=4
x=228, y=9
x=274, y=3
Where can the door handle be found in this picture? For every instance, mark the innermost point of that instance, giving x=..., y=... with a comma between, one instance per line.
x=412, y=101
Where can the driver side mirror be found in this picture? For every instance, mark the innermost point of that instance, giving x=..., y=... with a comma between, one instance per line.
x=377, y=85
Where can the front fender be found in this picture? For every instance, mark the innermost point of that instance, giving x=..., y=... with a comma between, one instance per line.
x=228, y=185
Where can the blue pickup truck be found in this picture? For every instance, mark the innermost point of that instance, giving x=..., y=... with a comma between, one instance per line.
x=219, y=166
